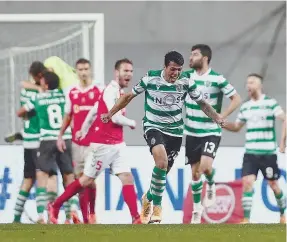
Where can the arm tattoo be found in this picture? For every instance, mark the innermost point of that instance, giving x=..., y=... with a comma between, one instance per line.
x=208, y=110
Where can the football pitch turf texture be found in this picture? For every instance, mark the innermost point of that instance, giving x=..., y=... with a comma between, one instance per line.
x=143, y=233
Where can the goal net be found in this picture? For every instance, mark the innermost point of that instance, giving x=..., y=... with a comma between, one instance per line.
x=68, y=37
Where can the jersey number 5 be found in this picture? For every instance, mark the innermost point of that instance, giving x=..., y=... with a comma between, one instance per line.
x=55, y=116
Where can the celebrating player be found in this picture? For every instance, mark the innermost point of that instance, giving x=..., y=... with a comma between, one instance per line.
x=259, y=114
x=31, y=142
x=65, y=72
x=202, y=133
x=107, y=145
x=49, y=106
x=165, y=92
x=79, y=102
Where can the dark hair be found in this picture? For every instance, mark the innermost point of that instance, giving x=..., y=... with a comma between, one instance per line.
x=51, y=79
x=173, y=56
x=36, y=68
x=256, y=75
x=204, y=49
x=83, y=61
x=122, y=61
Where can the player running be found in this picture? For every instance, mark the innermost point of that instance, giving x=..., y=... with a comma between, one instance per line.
x=165, y=92
x=107, y=145
x=66, y=73
x=31, y=142
x=259, y=114
x=79, y=101
x=49, y=106
x=202, y=133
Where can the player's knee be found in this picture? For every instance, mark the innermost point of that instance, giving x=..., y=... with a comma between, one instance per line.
x=274, y=186
x=206, y=164
x=27, y=184
x=248, y=182
x=126, y=178
x=160, y=156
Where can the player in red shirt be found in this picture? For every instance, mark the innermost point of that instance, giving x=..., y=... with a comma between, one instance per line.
x=107, y=145
x=79, y=101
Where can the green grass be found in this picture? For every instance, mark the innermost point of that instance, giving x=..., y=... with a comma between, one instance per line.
x=143, y=233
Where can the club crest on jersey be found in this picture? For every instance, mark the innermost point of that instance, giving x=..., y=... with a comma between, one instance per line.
x=208, y=84
x=179, y=87
x=91, y=95
x=75, y=95
x=158, y=85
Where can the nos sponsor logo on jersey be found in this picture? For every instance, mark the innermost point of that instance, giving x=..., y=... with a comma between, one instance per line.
x=168, y=100
x=224, y=206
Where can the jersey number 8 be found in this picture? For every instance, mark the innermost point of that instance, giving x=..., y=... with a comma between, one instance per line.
x=55, y=116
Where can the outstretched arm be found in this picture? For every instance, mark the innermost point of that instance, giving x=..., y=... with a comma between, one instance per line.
x=210, y=112
x=234, y=127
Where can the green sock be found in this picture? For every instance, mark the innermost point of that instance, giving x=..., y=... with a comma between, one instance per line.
x=247, y=203
x=196, y=187
x=41, y=200
x=74, y=203
x=51, y=196
x=20, y=203
x=209, y=178
x=67, y=208
x=149, y=194
x=158, y=182
x=281, y=201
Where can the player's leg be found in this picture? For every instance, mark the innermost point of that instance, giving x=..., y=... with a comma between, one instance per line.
x=250, y=170
x=87, y=197
x=52, y=188
x=45, y=164
x=209, y=149
x=97, y=160
x=271, y=172
x=156, y=141
x=121, y=169
x=65, y=164
x=192, y=156
x=29, y=178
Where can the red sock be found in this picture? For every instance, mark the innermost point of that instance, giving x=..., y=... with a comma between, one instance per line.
x=84, y=200
x=92, y=199
x=130, y=198
x=70, y=191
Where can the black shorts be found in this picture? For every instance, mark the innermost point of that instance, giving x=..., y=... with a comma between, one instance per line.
x=195, y=147
x=172, y=144
x=51, y=158
x=267, y=164
x=30, y=161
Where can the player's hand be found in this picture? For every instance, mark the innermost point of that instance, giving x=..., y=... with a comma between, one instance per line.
x=221, y=121
x=61, y=145
x=282, y=148
x=79, y=135
x=134, y=125
x=105, y=117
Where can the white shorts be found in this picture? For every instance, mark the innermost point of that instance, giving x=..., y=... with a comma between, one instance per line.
x=102, y=156
x=79, y=155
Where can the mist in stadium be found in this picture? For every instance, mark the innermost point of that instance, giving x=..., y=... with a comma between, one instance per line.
x=143, y=120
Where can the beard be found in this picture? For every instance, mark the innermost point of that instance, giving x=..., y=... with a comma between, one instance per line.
x=196, y=65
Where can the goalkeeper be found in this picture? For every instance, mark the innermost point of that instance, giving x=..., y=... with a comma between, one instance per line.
x=67, y=76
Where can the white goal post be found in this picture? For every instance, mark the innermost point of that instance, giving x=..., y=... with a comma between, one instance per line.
x=88, y=21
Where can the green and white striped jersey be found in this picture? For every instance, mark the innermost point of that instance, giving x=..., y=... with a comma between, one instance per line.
x=31, y=132
x=49, y=107
x=164, y=101
x=212, y=86
x=259, y=117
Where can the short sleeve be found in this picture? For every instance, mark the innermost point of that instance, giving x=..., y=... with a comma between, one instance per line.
x=141, y=86
x=240, y=116
x=276, y=108
x=68, y=104
x=227, y=89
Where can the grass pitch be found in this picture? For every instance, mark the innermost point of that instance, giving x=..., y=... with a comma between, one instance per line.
x=143, y=233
